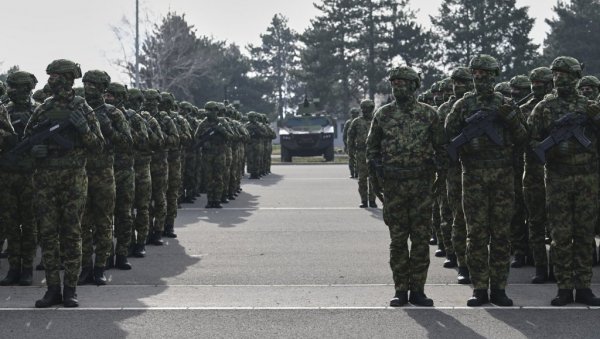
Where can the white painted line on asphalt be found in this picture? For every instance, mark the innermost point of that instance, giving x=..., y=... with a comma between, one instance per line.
x=292, y=308
x=293, y=285
x=272, y=209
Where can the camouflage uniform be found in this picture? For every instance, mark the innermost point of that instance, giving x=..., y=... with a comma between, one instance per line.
x=226, y=122
x=357, y=144
x=571, y=174
x=487, y=178
x=190, y=164
x=60, y=180
x=16, y=184
x=534, y=189
x=254, y=146
x=354, y=112
x=97, y=222
x=405, y=137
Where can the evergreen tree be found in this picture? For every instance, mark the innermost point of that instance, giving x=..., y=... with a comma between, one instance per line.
x=469, y=27
x=573, y=33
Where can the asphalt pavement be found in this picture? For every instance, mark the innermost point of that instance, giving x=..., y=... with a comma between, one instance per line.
x=292, y=256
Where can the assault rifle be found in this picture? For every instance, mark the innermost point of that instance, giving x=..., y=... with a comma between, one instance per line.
x=570, y=125
x=205, y=136
x=479, y=124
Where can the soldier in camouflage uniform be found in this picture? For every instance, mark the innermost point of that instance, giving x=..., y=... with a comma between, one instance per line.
x=143, y=179
x=226, y=122
x=60, y=180
x=159, y=167
x=175, y=159
x=487, y=176
x=405, y=139
x=354, y=112
x=589, y=86
x=16, y=185
x=357, y=144
x=254, y=145
x=437, y=93
x=212, y=136
x=520, y=87
x=116, y=95
x=571, y=173
x=504, y=88
x=534, y=189
x=190, y=168
x=97, y=222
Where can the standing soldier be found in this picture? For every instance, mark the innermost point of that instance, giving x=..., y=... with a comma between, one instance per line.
x=534, y=190
x=487, y=176
x=60, y=180
x=589, y=86
x=354, y=112
x=357, y=144
x=189, y=170
x=226, y=122
x=405, y=138
x=97, y=222
x=16, y=185
x=175, y=159
x=143, y=179
x=571, y=173
x=159, y=167
x=116, y=94
x=253, y=147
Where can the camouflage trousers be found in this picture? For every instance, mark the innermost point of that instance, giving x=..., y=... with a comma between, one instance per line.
x=572, y=214
x=234, y=172
x=406, y=212
x=253, y=158
x=200, y=174
x=488, y=201
x=141, y=202
x=190, y=185
x=459, y=227
x=96, y=227
x=534, y=194
x=16, y=197
x=159, y=173
x=173, y=186
x=125, y=192
x=59, y=201
x=365, y=188
x=352, y=163
x=519, y=233
x=444, y=214
x=214, y=162
x=227, y=171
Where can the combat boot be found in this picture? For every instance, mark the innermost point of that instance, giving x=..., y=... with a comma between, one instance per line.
x=433, y=240
x=372, y=204
x=363, y=204
x=587, y=297
x=217, y=204
x=99, y=277
x=51, y=297
x=420, y=299
x=254, y=177
x=122, y=263
x=86, y=276
x=399, y=299
x=563, y=297
x=441, y=251
x=155, y=238
x=231, y=197
x=169, y=231
x=464, y=277
x=518, y=261
x=12, y=277
x=224, y=200
x=479, y=298
x=209, y=204
x=26, y=278
x=450, y=261
x=139, y=250
x=70, y=297
x=541, y=275
x=498, y=297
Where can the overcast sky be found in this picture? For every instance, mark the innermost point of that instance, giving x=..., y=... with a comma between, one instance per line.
x=37, y=32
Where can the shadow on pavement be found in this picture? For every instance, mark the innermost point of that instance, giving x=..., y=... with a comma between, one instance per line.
x=268, y=180
x=439, y=324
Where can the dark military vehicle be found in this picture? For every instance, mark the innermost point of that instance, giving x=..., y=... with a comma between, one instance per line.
x=308, y=133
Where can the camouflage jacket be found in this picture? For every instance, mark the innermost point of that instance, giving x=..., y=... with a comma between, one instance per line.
x=19, y=116
x=117, y=136
x=139, y=135
x=357, y=135
x=212, y=136
x=183, y=129
x=169, y=130
x=156, y=137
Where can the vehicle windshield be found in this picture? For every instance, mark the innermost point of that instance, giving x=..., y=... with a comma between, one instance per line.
x=306, y=121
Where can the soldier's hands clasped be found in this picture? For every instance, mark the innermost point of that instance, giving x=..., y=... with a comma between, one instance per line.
x=79, y=121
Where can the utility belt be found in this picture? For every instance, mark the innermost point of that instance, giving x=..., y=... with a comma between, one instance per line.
x=473, y=163
x=407, y=173
x=568, y=169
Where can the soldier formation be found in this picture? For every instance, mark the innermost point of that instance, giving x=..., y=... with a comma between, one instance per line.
x=84, y=167
x=505, y=167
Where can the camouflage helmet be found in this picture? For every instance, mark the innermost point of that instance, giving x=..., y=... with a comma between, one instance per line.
x=135, y=94
x=367, y=103
x=485, y=62
x=461, y=73
x=502, y=87
x=117, y=89
x=520, y=81
x=21, y=78
x=588, y=80
x=567, y=64
x=39, y=95
x=97, y=77
x=406, y=73
x=152, y=94
x=446, y=85
x=435, y=87
x=186, y=105
x=354, y=111
x=167, y=97
x=64, y=66
x=211, y=106
x=543, y=74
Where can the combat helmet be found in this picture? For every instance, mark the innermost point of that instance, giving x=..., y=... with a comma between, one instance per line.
x=405, y=73
x=21, y=78
x=64, y=66
x=354, y=112
x=520, y=81
x=567, y=64
x=367, y=103
x=542, y=74
x=152, y=94
x=485, y=62
x=97, y=77
x=503, y=87
x=461, y=73
x=588, y=80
